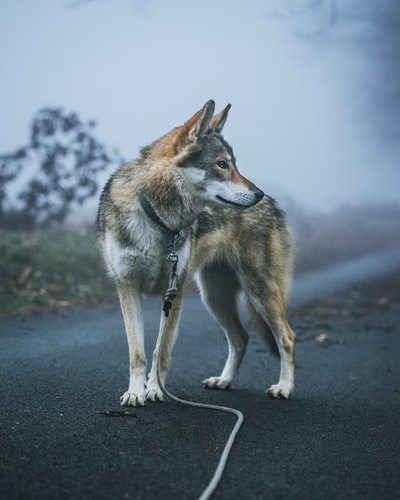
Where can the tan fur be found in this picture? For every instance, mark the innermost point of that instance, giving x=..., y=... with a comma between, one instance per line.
x=231, y=237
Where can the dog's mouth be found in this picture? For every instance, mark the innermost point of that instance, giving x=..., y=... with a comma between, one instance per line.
x=230, y=202
x=236, y=204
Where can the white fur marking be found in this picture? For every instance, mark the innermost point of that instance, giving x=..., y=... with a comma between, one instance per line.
x=194, y=175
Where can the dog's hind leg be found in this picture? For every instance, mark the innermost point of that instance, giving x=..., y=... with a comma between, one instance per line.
x=132, y=305
x=286, y=345
x=219, y=289
x=269, y=303
x=154, y=392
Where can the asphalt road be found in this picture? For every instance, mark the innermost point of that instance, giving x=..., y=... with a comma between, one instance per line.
x=338, y=437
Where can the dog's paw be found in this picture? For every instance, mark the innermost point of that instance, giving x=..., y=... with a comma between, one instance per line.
x=216, y=383
x=280, y=391
x=132, y=399
x=154, y=394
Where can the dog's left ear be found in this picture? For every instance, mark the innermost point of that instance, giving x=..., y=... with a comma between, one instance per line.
x=196, y=127
x=218, y=122
x=202, y=120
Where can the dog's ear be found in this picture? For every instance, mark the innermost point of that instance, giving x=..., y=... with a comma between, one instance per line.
x=218, y=122
x=203, y=124
x=199, y=124
x=188, y=135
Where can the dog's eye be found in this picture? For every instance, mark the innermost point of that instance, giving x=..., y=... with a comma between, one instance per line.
x=222, y=164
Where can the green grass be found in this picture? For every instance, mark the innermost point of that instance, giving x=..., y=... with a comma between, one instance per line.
x=50, y=269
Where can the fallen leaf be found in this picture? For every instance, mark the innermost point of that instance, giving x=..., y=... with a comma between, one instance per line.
x=322, y=337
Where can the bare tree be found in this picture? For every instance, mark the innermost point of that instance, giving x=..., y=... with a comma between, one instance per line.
x=41, y=182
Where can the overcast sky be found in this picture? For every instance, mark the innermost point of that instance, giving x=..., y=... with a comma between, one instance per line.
x=297, y=124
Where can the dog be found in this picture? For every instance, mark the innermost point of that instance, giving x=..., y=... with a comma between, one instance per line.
x=185, y=191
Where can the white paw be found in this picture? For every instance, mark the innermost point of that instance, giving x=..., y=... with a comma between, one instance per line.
x=132, y=399
x=217, y=383
x=280, y=391
x=154, y=394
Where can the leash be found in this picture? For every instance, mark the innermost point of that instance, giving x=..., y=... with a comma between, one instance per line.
x=170, y=295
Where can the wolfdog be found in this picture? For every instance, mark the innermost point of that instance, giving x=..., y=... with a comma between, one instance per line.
x=186, y=189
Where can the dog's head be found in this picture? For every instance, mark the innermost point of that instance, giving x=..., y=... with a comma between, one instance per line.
x=206, y=161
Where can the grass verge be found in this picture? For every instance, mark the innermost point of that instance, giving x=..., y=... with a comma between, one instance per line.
x=44, y=270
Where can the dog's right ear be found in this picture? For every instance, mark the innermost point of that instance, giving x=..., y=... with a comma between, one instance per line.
x=218, y=122
x=199, y=124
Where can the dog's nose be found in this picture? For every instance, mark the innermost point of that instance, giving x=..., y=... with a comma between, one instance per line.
x=259, y=194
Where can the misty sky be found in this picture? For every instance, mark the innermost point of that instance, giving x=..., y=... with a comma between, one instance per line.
x=299, y=124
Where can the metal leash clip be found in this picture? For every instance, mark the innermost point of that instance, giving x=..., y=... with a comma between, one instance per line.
x=172, y=290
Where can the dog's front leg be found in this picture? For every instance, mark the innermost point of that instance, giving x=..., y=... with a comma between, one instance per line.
x=154, y=392
x=132, y=311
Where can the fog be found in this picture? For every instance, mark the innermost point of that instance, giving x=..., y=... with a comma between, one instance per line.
x=313, y=84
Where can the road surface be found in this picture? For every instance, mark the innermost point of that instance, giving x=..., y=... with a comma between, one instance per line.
x=338, y=437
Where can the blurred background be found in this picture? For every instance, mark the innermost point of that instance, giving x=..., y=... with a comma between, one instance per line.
x=315, y=93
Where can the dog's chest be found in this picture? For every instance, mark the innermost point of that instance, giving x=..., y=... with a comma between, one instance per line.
x=145, y=269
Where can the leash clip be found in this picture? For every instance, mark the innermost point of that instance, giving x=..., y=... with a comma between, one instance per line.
x=172, y=257
x=172, y=290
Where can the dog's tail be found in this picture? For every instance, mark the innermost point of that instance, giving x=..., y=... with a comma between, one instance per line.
x=263, y=329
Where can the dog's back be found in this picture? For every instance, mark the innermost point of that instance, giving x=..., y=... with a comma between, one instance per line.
x=259, y=235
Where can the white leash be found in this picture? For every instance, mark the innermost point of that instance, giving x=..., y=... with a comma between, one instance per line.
x=170, y=295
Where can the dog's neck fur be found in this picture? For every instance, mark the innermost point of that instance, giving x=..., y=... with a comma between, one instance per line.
x=148, y=208
x=173, y=200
